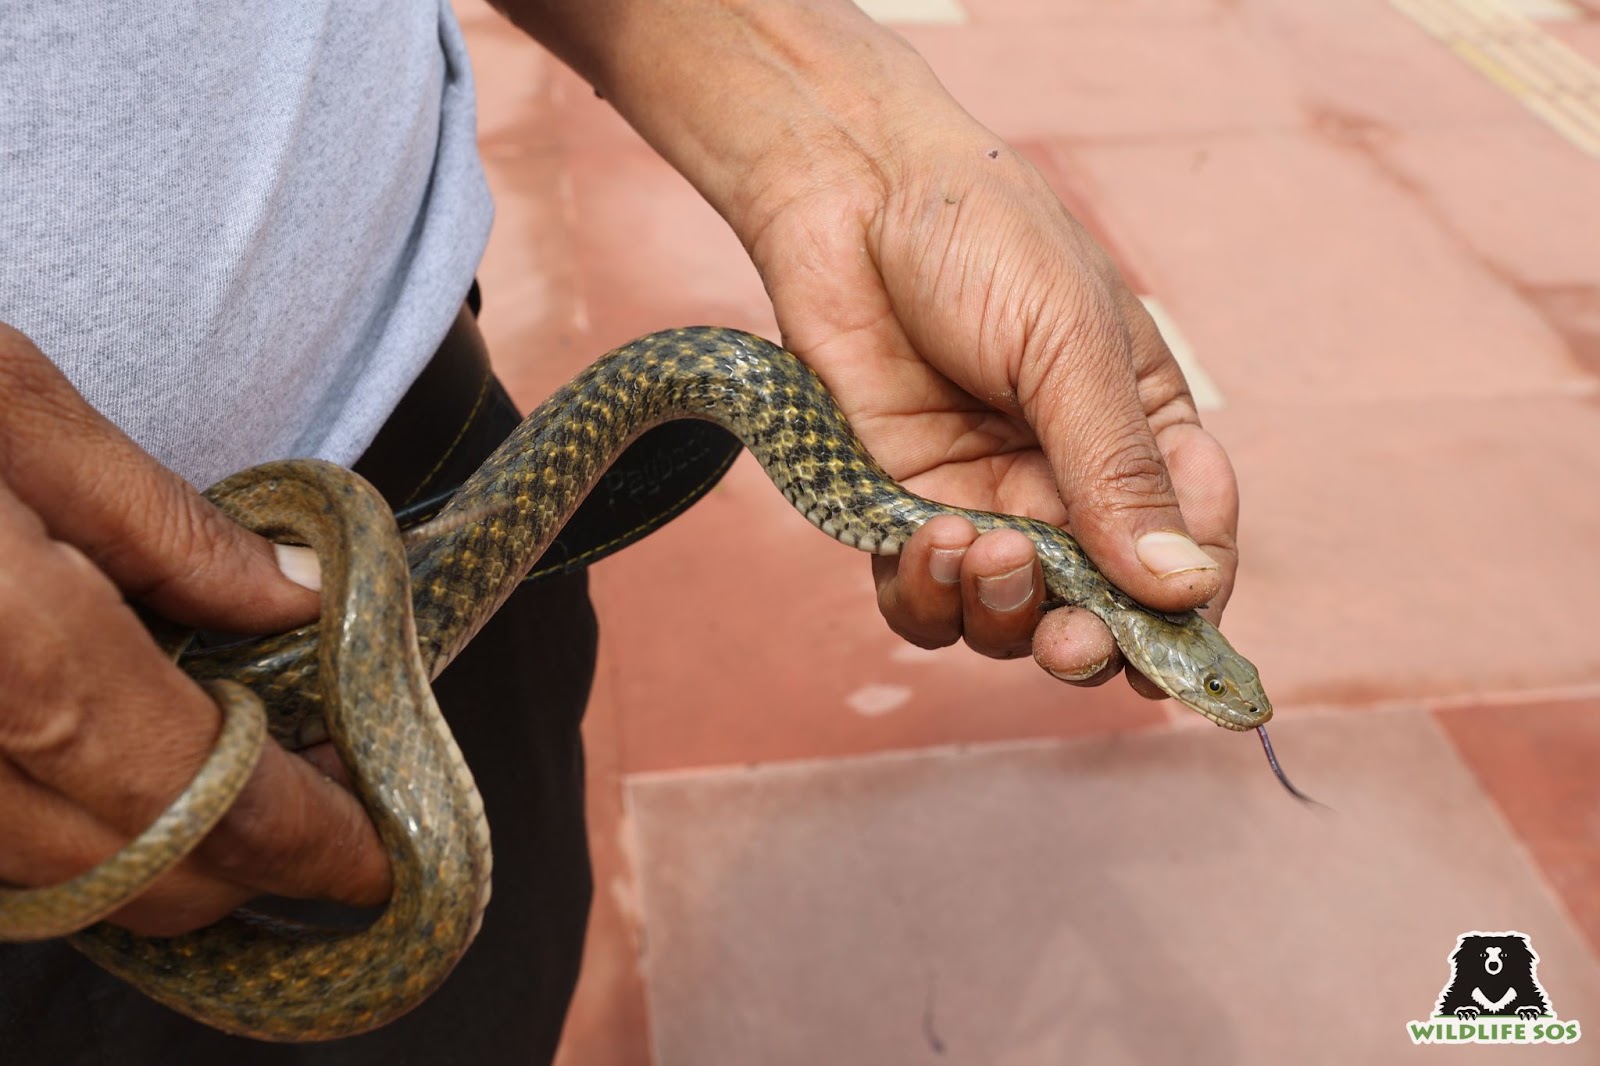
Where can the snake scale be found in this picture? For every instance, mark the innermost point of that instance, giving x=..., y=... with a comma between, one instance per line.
x=361, y=676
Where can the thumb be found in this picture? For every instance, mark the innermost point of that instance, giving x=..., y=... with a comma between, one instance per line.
x=157, y=538
x=1090, y=408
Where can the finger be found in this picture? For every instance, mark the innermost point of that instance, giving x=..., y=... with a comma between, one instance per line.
x=59, y=841
x=1075, y=646
x=1090, y=407
x=919, y=590
x=294, y=831
x=119, y=732
x=1002, y=586
x=147, y=528
x=1209, y=494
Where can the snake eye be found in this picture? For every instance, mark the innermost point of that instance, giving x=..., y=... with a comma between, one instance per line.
x=1215, y=686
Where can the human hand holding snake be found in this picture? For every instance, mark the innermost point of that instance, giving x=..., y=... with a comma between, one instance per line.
x=965, y=278
x=984, y=348
x=99, y=729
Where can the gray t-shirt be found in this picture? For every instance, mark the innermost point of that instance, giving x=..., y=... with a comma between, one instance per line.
x=240, y=228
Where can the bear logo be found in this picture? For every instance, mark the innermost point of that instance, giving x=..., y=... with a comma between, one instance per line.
x=1496, y=975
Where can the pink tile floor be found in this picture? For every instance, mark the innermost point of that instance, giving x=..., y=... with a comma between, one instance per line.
x=816, y=844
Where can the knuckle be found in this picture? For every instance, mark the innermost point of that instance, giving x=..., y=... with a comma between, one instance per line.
x=46, y=616
x=41, y=723
x=167, y=530
x=39, y=847
x=1133, y=475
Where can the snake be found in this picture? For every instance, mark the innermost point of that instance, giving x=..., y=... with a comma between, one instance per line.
x=396, y=609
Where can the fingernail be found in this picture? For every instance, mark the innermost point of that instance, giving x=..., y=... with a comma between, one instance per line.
x=299, y=565
x=1165, y=552
x=1082, y=675
x=1008, y=591
x=945, y=565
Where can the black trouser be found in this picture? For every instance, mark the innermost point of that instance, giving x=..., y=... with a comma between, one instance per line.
x=514, y=698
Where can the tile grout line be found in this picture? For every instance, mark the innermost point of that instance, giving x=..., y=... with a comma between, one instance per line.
x=1523, y=846
x=1557, y=84
x=1189, y=723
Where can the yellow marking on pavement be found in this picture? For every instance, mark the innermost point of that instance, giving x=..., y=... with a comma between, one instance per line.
x=1513, y=51
x=1207, y=397
x=1548, y=10
x=913, y=12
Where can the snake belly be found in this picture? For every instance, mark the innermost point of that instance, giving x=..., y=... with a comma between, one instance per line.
x=360, y=676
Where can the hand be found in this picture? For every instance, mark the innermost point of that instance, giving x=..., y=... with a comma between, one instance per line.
x=919, y=279
x=99, y=731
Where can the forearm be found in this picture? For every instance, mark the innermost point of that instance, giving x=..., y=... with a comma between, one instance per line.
x=738, y=94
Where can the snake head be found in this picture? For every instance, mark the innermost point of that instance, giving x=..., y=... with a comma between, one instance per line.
x=1193, y=662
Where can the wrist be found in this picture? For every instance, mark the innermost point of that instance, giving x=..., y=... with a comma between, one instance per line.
x=809, y=98
x=754, y=101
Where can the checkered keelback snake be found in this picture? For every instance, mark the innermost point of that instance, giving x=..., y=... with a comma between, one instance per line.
x=361, y=675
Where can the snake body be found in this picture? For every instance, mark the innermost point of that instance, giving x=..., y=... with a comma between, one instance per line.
x=361, y=675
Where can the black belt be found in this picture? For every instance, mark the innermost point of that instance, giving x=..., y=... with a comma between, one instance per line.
x=457, y=412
